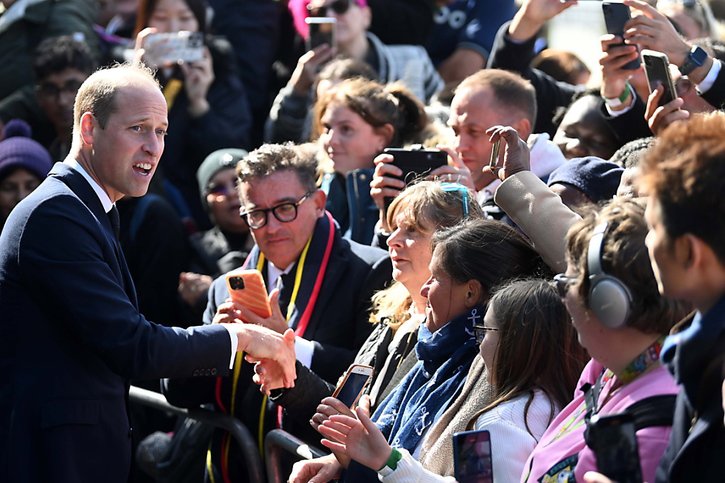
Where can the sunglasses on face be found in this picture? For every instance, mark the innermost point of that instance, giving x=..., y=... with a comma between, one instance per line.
x=479, y=331
x=338, y=6
x=223, y=188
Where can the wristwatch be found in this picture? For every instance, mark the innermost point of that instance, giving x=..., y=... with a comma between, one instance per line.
x=696, y=57
x=392, y=463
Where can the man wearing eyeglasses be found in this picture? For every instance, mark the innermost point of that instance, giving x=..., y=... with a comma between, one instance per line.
x=321, y=286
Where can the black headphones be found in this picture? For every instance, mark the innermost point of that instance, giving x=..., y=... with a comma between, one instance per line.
x=609, y=297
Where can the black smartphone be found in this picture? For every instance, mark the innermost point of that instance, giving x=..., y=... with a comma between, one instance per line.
x=353, y=384
x=416, y=163
x=322, y=31
x=656, y=67
x=614, y=443
x=616, y=14
x=472, y=457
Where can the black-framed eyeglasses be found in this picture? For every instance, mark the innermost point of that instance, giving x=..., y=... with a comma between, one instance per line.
x=479, y=331
x=338, y=6
x=52, y=91
x=562, y=282
x=284, y=212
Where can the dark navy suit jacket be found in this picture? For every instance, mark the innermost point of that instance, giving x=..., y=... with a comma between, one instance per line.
x=71, y=337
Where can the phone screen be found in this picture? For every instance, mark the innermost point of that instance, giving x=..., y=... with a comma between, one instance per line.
x=658, y=73
x=616, y=14
x=613, y=440
x=472, y=457
x=321, y=31
x=352, y=387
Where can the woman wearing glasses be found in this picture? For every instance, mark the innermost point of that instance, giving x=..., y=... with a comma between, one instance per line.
x=398, y=310
x=409, y=64
x=611, y=294
x=468, y=260
x=533, y=360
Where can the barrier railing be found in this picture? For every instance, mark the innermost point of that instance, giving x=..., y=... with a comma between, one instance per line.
x=238, y=431
x=278, y=441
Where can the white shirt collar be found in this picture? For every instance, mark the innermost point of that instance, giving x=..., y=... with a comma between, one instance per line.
x=102, y=195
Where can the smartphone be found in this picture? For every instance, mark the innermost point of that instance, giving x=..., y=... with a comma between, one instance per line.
x=247, y=288
x=322, y=31
x=472, y=457
x=166, y=49
x=616, y=14
x=494, y=153
x=614, y=443
x=416, y=163
x=352, y=385
x=657, y=69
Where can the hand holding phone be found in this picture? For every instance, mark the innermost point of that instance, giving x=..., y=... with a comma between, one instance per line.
x=352, y=385
x=657, y=69
x=616, y=15
x=247, y=288
x=415, y=164
x=472, y=457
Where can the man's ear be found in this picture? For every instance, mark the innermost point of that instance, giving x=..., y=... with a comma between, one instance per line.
x=523, y=127
x=320, y=199
x=88, y=124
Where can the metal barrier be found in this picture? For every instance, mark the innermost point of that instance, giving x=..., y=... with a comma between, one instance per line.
x=232, y=425
x=279, y=440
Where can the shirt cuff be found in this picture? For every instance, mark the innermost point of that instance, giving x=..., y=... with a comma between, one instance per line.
x=304, y=349
x=613, y=113
x=710, y=78
x=234, y=341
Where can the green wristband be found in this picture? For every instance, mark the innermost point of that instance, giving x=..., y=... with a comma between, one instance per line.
x=392, y=463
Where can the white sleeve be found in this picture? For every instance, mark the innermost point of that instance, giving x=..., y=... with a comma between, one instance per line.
x=410, y=470
x=511, y=443
x=234, y=343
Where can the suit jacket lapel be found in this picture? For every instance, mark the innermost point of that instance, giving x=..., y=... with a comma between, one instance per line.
x=83, y=190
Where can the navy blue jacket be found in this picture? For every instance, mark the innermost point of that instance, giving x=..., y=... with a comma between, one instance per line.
x=71, y=337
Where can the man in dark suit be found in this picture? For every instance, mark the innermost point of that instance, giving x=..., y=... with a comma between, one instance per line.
x=684, y=177
x=71, y=335
x=322, y=288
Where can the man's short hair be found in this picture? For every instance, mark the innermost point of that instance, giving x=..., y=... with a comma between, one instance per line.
x=97, y=93
x=685, y=172
x=273, y=158
x=509, y=90
x=57, y=54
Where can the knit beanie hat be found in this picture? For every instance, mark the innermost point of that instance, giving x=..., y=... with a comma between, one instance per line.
x=17, y=150
x=596, y=178
x=215, y=162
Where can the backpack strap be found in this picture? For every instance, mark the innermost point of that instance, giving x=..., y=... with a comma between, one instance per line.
x=653, y=411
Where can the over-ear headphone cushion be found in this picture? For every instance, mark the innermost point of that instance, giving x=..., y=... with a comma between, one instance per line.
x=609, y=300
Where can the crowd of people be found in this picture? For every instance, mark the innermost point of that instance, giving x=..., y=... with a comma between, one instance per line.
x=555, y=285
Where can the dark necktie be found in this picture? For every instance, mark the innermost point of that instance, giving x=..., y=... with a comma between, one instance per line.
x=285, y=283
x=115, y=221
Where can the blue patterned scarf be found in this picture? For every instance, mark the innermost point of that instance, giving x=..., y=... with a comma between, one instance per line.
x=444, y=358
